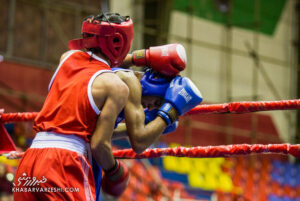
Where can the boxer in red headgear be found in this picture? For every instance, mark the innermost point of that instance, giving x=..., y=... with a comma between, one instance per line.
x=82, y=88
x=110, y=33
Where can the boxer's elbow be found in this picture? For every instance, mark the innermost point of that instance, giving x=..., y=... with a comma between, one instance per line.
x=138, y=148
x=101, y=148
x=138, y=144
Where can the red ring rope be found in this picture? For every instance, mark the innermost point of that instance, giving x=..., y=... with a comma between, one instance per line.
x=212, y=151
x=201, y=152
x=234, y=107
x=208, y=151
x=246, y=106
x=14, y=117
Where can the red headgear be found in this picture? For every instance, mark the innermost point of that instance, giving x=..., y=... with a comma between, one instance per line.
x=113, y=39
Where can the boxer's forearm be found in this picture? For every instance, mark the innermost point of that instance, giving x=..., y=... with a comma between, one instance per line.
x=104, y=156
x=101, y=140
x=127, y=62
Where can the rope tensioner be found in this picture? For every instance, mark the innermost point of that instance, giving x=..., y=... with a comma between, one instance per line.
x=201, y=152
x=234, y=107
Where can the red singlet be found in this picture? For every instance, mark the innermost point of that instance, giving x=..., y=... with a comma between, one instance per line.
x=69, y=107
x=55, y=167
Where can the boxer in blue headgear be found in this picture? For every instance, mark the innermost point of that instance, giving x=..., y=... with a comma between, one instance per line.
x=164, y=98
x=154, y=86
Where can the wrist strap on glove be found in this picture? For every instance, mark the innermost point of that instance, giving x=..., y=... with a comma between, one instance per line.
x=168, y=113
x=115, y=172
x=139, y=57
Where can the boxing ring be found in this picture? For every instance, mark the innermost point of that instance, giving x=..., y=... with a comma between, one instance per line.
x=199, y=151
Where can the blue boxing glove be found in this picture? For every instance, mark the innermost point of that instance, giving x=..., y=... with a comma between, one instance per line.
x=150, y=115
x=181, y=96
x=171, y=128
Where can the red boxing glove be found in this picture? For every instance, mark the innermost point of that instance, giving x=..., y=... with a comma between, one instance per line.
x=115, y=180
x=168, y=60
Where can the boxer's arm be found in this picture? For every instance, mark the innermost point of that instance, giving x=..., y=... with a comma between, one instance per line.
x=121, y=131
x=127, y=62
x=141, y=136
x=110, y=94
x=168, y=59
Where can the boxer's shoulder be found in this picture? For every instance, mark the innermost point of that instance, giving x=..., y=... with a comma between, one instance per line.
x=129, y=78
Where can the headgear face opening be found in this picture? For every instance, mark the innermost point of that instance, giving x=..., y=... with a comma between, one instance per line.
x=111, y=33
x=154, y=84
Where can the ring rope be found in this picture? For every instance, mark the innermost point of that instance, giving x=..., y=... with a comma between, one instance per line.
x=246, y=107
x=233, y=107
x=201, y=151
x=17, y=117
x=211, y=151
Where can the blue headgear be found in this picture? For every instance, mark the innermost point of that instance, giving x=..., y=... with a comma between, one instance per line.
x=154, y=84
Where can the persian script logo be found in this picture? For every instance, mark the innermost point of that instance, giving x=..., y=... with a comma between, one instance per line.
x=29, y=181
